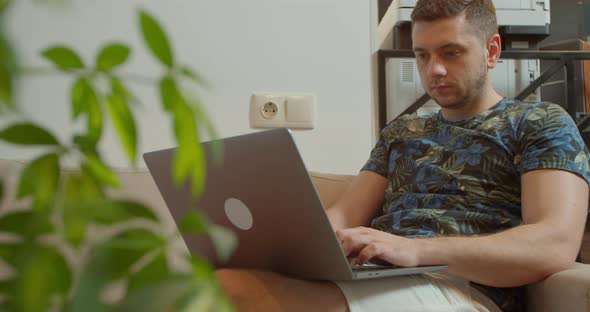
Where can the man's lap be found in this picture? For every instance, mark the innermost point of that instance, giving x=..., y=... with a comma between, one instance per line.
x=425, y=292
x=253, y=290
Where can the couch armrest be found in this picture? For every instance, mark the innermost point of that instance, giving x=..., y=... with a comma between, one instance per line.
x=567, y=290
x=330, y=186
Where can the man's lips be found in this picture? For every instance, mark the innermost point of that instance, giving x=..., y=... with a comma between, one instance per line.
x=440, y=88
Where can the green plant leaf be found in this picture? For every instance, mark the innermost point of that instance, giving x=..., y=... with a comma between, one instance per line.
x=204, y=300
x=7, y=287
x=63, y=58
x=8, y=64
x=82, y=95
x=128, y=247
x=118, y=88
x=100, y=171
x=85, y=144
x=80, y=197
x=112, y=55
x=141, y=240
x=204, y=274
x=112, y=260
x=40, y=178
x=78, y=97
x=75, y=210
x=181, y=165
x=203, y=119
x=156, y=271
x=201, y=269
x=81, y=193
x=124, y=125
x=109, y=212
x=208, y=298
x=156, y=39
x=26, y=224
x=86, y=296
x=169, y=94
x=6, y=87
x=189, y=159
x=224, y=240
x=194, y=75
x=193, y=222
x=94, y=120
x=27, y=134
x=9, y=251
x=163, y=295
x=44, y=273
x=4, y=4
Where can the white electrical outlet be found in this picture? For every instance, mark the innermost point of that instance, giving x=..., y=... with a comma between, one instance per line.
x=270, y=110
x=282, y=110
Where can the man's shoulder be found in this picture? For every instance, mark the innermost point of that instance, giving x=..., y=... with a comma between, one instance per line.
x=516, y=107
x=515, y=113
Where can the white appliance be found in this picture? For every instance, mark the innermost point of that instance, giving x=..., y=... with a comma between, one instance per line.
x=403, y=86
x=532, y=14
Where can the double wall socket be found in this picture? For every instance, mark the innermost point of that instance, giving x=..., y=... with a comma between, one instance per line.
x=282, y=110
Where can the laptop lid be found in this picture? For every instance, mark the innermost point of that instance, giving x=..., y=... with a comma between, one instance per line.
x=263, y=192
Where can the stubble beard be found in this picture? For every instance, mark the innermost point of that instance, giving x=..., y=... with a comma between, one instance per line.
x=472, y=93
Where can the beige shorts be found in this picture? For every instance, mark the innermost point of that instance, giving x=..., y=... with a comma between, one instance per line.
x=424, y=292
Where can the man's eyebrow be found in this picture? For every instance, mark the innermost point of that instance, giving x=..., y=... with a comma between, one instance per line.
x=451, y=45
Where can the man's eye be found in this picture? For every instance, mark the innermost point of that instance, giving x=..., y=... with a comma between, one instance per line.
x=453, y=53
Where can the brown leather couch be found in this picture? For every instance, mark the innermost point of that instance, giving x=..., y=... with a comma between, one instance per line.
x=568, y=290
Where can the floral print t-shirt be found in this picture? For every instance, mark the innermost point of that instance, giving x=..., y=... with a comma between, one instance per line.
x=463, y=177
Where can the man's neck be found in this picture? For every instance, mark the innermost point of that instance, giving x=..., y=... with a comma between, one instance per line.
x=485, y=102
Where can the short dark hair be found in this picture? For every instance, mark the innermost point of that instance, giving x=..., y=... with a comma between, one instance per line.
x=481, y=14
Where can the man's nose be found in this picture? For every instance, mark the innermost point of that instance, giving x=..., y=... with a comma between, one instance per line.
x=437, y=68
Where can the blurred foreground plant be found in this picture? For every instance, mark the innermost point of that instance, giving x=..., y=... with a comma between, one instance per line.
x=66, y=206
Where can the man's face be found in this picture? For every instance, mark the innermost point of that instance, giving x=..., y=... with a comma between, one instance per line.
x=451, y=61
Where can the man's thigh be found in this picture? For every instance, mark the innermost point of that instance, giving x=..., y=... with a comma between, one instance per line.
x=252, y=290
x=422, y=292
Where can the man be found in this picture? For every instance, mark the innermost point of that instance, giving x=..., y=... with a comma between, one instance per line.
x=494, y=188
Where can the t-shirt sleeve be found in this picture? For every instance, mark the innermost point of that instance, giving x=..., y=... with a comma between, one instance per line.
x=378, y=160
x=549, y=139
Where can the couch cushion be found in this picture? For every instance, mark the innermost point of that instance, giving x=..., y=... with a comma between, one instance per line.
x=330, y=186
x=136, y=185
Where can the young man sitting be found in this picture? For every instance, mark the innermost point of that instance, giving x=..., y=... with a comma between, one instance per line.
x=494, y=188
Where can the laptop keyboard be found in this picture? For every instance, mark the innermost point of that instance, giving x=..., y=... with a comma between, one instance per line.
x=370, y=266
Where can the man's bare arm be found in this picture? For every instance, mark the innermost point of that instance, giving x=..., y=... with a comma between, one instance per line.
x=554, y=203
x=360, y=202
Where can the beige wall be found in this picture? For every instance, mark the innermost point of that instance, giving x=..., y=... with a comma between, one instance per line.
x=321, y=47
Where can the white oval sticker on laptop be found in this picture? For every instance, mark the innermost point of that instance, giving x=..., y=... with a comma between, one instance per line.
x=238, y=213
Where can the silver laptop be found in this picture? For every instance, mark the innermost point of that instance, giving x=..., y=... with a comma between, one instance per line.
x=263, y=192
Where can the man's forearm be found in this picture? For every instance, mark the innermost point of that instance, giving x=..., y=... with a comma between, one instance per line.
x=519, y=256
x=337, y=219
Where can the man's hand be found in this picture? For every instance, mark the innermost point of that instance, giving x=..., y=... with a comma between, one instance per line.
x=365, y=244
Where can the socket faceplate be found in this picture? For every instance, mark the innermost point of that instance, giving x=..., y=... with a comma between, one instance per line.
x=282, y=110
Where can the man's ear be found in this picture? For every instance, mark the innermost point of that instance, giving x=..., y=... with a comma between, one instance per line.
x=494, y=49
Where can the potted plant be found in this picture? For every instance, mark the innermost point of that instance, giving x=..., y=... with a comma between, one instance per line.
x=74, y=241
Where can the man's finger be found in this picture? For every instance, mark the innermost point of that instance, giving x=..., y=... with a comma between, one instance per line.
x=368, y=252
x=353, y=244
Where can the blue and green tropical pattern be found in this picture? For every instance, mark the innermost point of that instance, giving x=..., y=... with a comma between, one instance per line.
x=463, y=177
